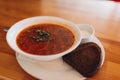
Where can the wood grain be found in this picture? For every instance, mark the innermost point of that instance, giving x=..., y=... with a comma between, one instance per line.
x=104, y=16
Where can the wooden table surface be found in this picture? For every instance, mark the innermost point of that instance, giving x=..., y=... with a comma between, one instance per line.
x=103, y=15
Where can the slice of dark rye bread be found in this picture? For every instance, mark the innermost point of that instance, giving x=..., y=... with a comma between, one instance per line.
x=86, y=59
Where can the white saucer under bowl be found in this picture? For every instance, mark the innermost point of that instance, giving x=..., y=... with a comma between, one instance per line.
x=55, y=69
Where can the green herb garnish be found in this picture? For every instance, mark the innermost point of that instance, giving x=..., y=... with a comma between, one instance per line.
x=42, y=35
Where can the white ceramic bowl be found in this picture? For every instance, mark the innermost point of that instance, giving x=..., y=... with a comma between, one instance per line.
x=19, y=26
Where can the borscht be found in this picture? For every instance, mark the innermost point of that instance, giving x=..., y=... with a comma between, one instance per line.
x=45, y=39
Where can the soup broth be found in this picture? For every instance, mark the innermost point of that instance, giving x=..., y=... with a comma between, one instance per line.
x=45, y=39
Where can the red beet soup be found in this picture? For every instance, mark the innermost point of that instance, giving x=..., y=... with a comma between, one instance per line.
x=45, y=39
